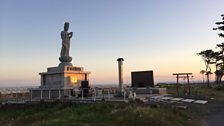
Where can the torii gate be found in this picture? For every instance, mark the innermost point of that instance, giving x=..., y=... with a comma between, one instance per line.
x=183, y=75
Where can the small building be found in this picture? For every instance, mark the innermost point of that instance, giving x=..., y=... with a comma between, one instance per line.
x=142, y=79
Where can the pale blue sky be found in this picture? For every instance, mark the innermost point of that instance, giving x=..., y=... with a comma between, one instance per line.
x=159, y=35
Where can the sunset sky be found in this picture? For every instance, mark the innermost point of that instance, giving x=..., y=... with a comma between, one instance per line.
x=160, y=35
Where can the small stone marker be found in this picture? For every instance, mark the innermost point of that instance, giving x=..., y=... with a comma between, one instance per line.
x=200, y=101
x=188, y=100
x=156, y=97
x=176, y=99
x=167, y=98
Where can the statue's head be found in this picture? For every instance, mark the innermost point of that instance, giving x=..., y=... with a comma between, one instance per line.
x=66, y=26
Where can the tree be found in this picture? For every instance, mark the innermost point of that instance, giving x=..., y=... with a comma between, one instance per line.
x=220, y=66
x=216, y=60
x=208, y=57
x=202, y=72
x=219, y=56
x=220, y=26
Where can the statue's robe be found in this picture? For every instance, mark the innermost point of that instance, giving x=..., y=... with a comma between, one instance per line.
x=65, y=44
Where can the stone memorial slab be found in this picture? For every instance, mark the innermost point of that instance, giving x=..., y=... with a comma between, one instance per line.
x=156, y=97
x=200, y=101
x=167, y=98
x=176, y=99
x=188, y=100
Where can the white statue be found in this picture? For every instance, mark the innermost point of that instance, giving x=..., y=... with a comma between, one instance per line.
x=65, y=36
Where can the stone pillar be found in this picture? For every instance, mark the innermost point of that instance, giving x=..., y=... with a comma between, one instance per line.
x=120, y=74
x=49, y=95
x=59, y=94
x=69, y=93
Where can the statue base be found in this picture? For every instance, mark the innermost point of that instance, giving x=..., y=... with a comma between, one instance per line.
x=60, y=82
x=65, y=59
x=63, y=64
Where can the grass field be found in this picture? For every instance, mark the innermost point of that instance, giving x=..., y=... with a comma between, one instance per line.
x=99, y=114
x=113, y=114
x=198, y=91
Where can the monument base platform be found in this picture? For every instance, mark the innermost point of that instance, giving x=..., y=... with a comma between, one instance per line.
x=60, y=82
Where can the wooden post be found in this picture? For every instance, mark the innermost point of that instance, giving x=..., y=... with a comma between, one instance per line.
x=177, y=88
x=189, y=88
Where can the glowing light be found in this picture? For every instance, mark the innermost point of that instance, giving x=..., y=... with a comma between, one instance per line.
x=73, y=80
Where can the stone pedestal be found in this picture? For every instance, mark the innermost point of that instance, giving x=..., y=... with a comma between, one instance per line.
x=59, y=82
x=63, y=77
x=65, y=61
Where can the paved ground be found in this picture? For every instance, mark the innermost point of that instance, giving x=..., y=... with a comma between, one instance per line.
x=211, y=113
x=214, y=114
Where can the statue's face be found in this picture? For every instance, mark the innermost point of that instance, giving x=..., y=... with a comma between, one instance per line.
x=66, y=27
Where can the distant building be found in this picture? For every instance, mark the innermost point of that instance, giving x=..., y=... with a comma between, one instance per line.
x=142, y=79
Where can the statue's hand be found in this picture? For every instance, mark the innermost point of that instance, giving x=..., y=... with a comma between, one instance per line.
x=71, y=33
